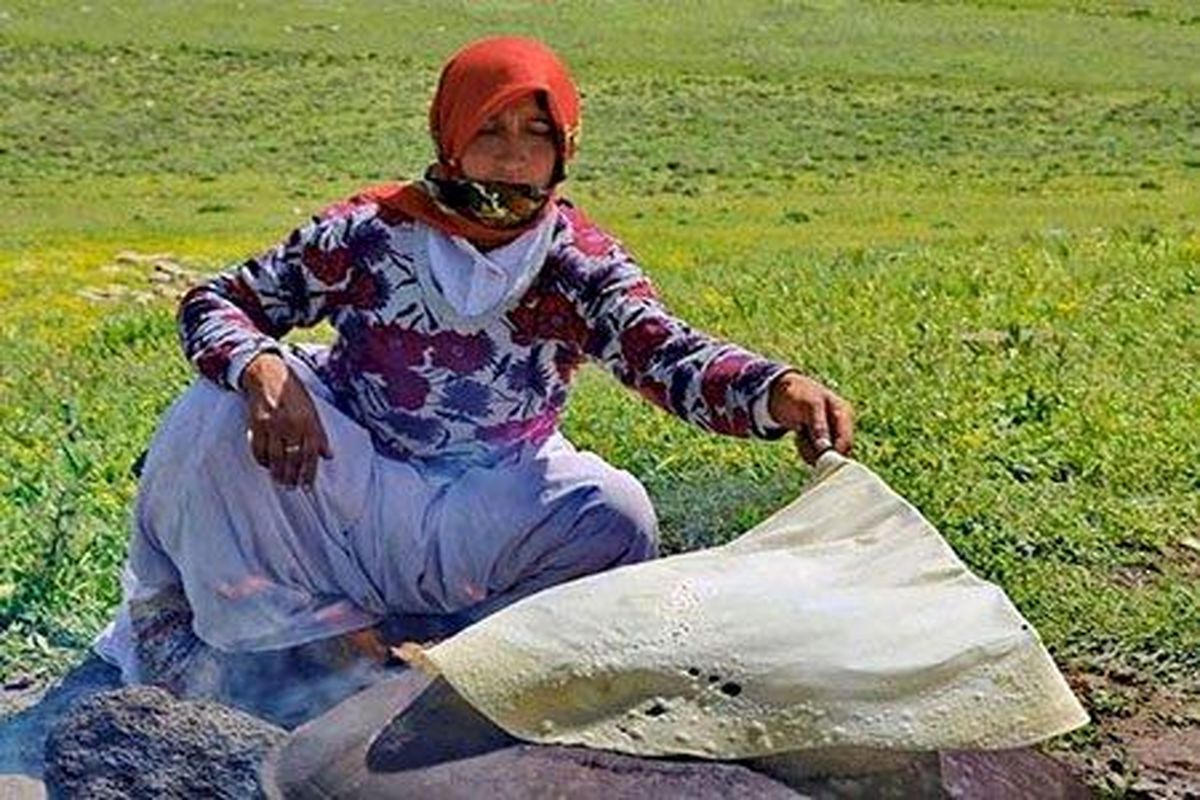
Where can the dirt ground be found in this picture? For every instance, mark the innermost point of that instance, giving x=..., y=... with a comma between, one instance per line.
x=1145, y=741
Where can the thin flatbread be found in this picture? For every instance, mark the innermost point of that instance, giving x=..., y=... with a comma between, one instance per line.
x=842, y=621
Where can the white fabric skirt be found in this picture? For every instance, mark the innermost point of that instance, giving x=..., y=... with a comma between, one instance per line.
x=266, y=567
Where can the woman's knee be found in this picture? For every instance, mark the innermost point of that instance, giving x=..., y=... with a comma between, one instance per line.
x=200, y=438
x=625, y=518
x=206, y=422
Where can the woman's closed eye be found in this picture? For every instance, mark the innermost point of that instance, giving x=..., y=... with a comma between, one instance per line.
x=537, y=127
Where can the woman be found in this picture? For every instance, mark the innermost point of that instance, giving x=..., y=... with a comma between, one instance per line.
x=414, y=471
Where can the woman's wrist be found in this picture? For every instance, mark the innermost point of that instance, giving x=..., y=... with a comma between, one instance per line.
x=262, y=370
x=777, y=392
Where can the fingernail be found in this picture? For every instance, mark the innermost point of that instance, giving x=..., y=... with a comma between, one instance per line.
x=823, y=444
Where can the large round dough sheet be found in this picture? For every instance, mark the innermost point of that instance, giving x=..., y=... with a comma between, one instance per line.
x=844, y=620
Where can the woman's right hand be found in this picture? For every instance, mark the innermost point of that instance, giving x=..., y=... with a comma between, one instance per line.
x=286, y=435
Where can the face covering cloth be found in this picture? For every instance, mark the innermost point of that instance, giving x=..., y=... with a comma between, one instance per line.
x=842, y=621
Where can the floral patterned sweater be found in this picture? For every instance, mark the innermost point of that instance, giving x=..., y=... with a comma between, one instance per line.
x=428, y=382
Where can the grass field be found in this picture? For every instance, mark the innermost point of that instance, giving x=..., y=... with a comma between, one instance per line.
x=978, y=221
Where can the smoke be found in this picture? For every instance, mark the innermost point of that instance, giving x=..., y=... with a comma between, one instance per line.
x=287, y=686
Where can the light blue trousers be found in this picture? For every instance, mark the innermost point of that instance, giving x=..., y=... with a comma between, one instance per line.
x=265, y=567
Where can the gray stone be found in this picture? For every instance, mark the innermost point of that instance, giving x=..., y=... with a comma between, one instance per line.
x=413, y=737
x=142, y=742
x=23, y=731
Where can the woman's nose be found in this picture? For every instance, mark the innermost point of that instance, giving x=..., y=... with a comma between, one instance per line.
x=513, y=147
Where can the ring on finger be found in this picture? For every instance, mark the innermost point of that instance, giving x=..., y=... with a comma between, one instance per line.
x=291, y=448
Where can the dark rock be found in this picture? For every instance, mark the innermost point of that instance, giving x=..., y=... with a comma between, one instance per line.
x=142, y=742
x=850, y=773
x=413, y=737
x=23, y=733
x=438, y=726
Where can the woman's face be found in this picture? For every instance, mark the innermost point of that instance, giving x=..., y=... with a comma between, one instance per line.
x=515, y=145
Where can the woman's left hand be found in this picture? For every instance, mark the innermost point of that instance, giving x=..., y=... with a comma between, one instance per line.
x=822, y=420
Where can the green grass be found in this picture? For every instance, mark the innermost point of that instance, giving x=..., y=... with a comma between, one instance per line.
x=976, y=220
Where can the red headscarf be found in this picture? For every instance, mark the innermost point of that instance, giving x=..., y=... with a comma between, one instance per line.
x=480, y=80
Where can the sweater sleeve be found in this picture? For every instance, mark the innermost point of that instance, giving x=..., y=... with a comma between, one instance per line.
x=228, y=320
x=712, y=383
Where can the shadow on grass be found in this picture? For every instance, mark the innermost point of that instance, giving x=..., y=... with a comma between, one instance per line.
x=698, y=511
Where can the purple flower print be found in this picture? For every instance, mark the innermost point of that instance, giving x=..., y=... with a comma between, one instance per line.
x=385, y=348
x=468, y=397
x=527, y=375
x=406, y=389
x=460, y=352
x=643, y=340
x=366, y=289
x=213, y=362
x=330, y=267
x=294, y=290
x=719, y=375
x=566, y=363
x=411, y=426
x=369, y=243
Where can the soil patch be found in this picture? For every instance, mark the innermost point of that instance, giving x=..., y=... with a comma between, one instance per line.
x=1145, y=739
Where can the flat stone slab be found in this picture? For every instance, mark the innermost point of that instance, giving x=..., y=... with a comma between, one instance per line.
x=413, y=736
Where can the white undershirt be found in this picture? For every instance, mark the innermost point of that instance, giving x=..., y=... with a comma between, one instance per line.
x=474, y=283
